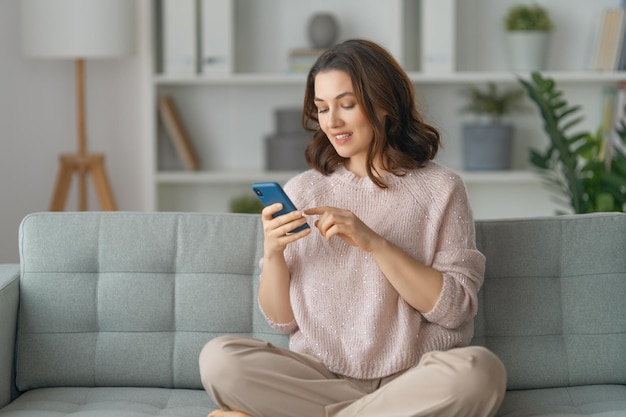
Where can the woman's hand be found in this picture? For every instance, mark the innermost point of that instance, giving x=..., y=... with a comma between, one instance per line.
x=276, y=230
x=345, y=225
x=275, y=278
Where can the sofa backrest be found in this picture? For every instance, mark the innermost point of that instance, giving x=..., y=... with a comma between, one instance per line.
x=129, y=299
x=553, y=302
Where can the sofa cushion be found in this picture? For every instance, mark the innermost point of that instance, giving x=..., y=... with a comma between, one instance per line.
x=119, y=402
x=552, y=305
x=591, y=400
x=129, y=299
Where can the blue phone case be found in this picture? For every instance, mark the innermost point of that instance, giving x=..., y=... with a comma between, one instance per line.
x=272, y=192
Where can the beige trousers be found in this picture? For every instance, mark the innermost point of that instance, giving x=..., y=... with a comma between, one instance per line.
x=262, y=380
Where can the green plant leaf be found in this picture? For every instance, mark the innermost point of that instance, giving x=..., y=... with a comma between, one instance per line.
x=615, y=180
x=539, y=160
x=555, y=111
x=528, y=17
x=567, y=113
x=491, y=102
x=604, y=202
x=587, y=150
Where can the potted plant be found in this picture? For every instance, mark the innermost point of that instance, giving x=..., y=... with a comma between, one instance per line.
x=587, y=168
x=487, y=142
x=528, y=30
x=245, y=204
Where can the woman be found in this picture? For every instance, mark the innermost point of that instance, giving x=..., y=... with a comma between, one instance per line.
x=379, y=297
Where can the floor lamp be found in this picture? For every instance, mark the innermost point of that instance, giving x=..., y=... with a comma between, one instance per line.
x=79, y=30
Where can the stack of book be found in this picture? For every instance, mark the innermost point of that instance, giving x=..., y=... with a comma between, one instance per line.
x=301, y=60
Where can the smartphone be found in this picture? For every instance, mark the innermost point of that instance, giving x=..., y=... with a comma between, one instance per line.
x=272, y=192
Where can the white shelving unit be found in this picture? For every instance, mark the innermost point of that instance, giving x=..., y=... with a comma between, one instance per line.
x=461, y=77
x=228, y=116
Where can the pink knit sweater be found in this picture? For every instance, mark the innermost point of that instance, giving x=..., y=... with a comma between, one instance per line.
x=346, y=312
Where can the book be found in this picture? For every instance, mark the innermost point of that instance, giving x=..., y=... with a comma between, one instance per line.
x=619, y=145
x=602, y=41
x=613, y=115
x=438, y=35
x=176, y=132
x=617, y=40
x=179, y=39
x=621, y=61
x=609, y=43
x=615, y=142
x=609, y=98
x=216, y=36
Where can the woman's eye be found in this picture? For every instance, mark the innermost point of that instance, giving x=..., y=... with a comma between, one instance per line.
x=322, y=110
x=348, y=106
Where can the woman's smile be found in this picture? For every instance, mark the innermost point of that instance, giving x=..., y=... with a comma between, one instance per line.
x=343, y=137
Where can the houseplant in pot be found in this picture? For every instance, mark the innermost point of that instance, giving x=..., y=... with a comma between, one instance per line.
x=246, y=204
x=528, y=29
x=488, y=141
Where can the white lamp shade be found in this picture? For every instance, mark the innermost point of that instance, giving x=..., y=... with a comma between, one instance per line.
x=78, y=28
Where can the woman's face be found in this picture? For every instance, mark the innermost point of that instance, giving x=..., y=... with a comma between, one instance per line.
x=342, y=119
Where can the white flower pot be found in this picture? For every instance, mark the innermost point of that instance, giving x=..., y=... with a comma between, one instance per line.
x=527, y=50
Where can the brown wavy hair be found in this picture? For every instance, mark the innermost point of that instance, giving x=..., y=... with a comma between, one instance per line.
x=402, y=140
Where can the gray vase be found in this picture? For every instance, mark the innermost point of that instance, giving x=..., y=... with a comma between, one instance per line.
x=323, y=30
x=487, y=147
x=284, y=150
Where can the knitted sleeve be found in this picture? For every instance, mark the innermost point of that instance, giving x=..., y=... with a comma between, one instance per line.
x=283, y=328
x=457, y=258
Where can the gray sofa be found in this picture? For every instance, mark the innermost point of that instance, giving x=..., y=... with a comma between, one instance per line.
x=107, y=312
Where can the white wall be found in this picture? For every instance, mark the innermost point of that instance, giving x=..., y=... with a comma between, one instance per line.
x=37, y=123
x=37, y=116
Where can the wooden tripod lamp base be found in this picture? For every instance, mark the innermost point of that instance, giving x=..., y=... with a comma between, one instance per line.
x=82, y=165
x=82, y=162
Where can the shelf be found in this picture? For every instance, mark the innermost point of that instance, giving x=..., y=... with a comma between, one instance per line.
x=416, y=77
x=499, y=177
x=234, y=79
x=221, y=178
x=505, y=76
